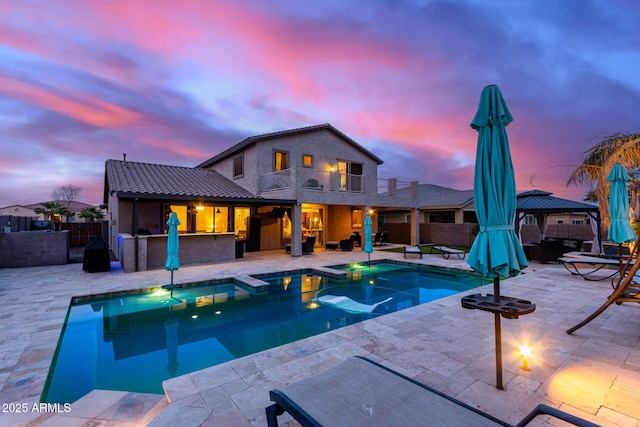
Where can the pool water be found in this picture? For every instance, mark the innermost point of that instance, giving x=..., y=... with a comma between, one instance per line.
x=134, y=341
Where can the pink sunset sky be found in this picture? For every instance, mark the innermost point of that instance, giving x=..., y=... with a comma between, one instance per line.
x=176, y=82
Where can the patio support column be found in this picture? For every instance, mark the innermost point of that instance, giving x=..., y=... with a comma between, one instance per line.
x=415, y=226
x=296, y=229
x=134, y=232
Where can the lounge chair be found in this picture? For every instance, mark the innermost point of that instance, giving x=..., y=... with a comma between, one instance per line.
x=586, y=266
x=360, y=392
x=447, y=251
x=625, y=289
x=413, y=249
x=347, y=304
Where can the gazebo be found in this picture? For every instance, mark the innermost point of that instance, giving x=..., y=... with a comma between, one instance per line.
x=542, y=203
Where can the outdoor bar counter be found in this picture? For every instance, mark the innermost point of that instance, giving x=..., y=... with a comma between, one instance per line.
x=195, y=248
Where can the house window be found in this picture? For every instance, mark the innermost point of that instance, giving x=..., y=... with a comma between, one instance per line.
x=241, y=222
x=577, y=221
x=212, y=219
x=407, y=218
x=443, y=218
x=530, y=219
x=281, y=161
x=350, y=176
x=560, y=221
x=356, y=218
x=307, y=160
x=238, y=166
x=183, y=212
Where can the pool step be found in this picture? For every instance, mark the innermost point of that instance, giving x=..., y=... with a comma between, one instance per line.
x=112, y=407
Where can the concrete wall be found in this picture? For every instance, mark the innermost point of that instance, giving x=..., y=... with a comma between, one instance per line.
x=30, y=249
x=194, y=249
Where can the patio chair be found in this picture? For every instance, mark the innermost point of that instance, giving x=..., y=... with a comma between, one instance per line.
x=359, y=392
x=377, y=239
x=547, y=251
x=626, y=289
x=384, y=238
x=356, y=239
x=308, y=244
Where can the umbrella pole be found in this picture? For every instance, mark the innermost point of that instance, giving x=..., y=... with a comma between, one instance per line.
x=498, y=334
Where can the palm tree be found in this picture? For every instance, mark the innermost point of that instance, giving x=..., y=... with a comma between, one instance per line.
x=52, y=209
x=92, y=214
x=623, y=148
x=591, y=196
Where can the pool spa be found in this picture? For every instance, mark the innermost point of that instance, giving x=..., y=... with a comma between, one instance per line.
x=134, y=341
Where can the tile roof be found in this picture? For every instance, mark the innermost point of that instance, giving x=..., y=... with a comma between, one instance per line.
x=147, y=179
x=281, y=134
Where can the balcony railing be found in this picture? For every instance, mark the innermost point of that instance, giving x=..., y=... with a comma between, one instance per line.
x=275, y=181
x=311, y=179
x=315, y=179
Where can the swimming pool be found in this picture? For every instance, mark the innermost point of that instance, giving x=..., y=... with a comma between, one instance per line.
x=134, y=341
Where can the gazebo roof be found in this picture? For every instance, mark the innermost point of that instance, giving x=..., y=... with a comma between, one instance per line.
x=543, y=201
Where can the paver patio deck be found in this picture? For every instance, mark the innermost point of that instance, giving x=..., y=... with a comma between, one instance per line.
x=594, y=373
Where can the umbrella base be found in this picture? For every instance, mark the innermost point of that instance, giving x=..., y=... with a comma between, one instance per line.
x=507, y=307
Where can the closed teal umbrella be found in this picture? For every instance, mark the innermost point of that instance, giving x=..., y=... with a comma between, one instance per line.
x=173, y=245
x=368, y=243
x=620, y=230
x=496, y=251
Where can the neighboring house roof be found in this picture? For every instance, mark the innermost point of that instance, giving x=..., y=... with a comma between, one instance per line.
x=74, y=206
x=14, y=206
x=543, y=201
x=435, y=196
x=147, y=180
x=275, y=135
x=432, y=196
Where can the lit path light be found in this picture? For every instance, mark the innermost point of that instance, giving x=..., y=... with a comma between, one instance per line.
x=525, y=354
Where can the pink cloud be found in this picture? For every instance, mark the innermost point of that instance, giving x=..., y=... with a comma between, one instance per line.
x=175, y=147
x=80, y=106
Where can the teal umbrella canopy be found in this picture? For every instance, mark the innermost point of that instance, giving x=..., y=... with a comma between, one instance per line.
x=620, y=230
x=368, y=243
x=173, y=245
x=496, y=251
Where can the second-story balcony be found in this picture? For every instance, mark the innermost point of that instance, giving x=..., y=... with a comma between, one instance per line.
x=311, y=179
x=323, y=186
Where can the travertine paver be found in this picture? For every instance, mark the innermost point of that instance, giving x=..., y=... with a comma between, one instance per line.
x=594, y=373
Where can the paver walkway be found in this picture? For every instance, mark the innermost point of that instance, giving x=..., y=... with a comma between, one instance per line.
x=594, y=373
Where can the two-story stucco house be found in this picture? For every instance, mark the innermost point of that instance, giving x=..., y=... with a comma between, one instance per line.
x=266, y=192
